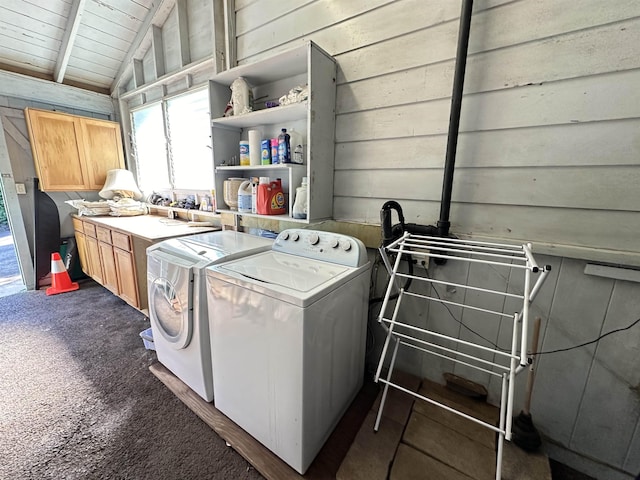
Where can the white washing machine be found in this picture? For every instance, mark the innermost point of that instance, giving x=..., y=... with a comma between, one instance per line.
x=178, y=304
x=288, y=339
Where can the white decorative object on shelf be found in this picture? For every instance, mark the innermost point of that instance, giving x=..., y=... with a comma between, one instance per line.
x=241, y=97
x=296, y=95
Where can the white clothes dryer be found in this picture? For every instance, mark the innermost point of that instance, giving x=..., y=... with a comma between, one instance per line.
x=178, y=304
x=288, y=339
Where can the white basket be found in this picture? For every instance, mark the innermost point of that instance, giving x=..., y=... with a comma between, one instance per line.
x=147, y=339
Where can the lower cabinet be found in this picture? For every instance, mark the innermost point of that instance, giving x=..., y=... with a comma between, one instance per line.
x=110, y=275
x=81, y=243
x=94, y=266
x=125, y=266
x=107, y=256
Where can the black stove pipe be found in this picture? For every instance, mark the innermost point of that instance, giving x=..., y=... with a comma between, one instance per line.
x=454, y=117
x=389, y=232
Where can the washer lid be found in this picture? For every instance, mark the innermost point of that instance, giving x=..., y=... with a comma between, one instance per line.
x=292, y=272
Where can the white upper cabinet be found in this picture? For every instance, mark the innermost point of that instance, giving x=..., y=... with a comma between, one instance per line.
x=312, y=120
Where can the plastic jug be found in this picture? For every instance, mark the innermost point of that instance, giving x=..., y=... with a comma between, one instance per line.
x=270, y=198
x=300, y=205
x=244, y=197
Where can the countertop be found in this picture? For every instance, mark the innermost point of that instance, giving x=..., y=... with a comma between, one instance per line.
x=150, y=227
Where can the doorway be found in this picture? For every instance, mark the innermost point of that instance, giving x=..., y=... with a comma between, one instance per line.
x=10, y=275
x=13, y=236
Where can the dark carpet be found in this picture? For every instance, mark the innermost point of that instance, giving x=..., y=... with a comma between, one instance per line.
x=77, y=400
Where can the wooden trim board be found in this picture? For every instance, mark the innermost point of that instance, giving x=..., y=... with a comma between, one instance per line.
x=326, y=464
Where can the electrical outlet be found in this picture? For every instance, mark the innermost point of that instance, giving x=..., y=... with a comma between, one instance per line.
x=21, y=189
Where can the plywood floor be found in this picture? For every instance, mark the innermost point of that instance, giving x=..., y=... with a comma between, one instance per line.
x=326, y=464
x=415, y=441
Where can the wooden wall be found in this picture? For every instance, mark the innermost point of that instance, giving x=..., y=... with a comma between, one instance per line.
x=548, y=152
x=586, y=401
x=548, y=149
x=16, y=93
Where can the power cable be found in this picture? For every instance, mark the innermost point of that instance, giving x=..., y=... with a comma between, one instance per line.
x=460, y=321
x=547, y=352
x=589, y=342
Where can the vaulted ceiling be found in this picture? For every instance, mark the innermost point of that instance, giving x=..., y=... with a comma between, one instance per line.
x=85, y=43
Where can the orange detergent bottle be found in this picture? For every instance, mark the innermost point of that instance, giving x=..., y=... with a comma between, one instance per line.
x=270, y=197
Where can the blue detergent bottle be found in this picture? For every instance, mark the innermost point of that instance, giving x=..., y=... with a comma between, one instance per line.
x=284, y=147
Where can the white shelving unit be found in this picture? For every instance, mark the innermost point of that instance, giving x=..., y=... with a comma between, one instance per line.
x=313, y=119
x=490, y=360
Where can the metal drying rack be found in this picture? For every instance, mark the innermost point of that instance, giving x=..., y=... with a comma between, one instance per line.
x=505, y=364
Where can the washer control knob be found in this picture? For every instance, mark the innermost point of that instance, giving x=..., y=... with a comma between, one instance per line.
x=346, y=245
x=295, y=237
x=334, y=243
x=285, y=236
x=314, y=239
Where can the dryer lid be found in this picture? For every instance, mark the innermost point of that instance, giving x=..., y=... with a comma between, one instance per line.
x=207, y=248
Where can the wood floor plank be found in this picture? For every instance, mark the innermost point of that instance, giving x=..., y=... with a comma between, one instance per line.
x=326, y=464
x=371, y=453
x=450, y=447
x=411, y=464
x=471, y=406
x=267, y=463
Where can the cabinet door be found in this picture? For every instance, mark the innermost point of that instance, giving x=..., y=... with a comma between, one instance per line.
x=93, y=257
x=102, y=146
x=127, y=280
x=110, y=275
x=82, y=253
x=54, y=142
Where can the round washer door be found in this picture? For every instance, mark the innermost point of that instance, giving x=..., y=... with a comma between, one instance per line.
x=170, y=305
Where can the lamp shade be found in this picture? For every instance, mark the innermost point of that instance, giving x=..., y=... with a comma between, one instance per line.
x=120, y=182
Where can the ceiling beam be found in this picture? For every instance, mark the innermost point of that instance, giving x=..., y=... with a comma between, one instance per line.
x=159, y=6
x=17, y=85
x=68, y=39
x=183, y=33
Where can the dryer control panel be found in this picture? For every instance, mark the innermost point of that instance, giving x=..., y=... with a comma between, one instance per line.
x=324, y=246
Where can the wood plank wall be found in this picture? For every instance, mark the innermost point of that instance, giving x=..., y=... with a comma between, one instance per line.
x=586, y=401
x=21, y=158
x=548, y=152
x=548, y=149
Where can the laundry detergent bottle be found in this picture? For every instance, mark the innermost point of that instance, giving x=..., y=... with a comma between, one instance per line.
x=300, y=205
x=270, y=199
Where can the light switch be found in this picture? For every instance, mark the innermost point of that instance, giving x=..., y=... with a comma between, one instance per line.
x=21, y=189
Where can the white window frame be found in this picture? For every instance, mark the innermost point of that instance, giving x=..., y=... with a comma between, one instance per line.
x=171, y=192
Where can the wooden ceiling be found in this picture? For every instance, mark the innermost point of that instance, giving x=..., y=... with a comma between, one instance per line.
x=85, y=43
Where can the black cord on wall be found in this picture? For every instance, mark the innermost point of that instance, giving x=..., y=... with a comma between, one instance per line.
x=547, y=352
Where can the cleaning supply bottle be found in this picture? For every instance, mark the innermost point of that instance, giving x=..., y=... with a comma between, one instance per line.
x=244, y=197
x=274, y=150
x=296, y=143
x=300, y=205
x=254, y=194
x=284, y=147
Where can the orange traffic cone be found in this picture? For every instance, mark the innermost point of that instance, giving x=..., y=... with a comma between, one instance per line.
x=60, y=281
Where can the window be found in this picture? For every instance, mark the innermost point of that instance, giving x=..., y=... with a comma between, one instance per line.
x=150, y=148
x=172, y=143
x=188, y=125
